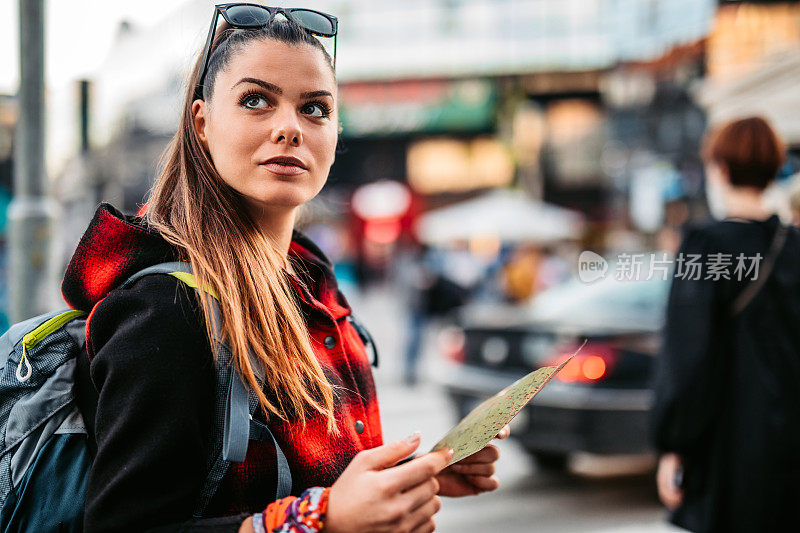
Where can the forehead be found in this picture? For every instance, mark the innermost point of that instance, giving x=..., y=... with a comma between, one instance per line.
x=295, y=68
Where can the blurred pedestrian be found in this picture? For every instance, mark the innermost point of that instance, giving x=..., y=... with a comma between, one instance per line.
x=417, y=272
x=433, y=296
x=727, y=402
x=520, y=275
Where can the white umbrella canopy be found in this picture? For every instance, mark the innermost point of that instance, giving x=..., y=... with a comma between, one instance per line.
x=505, y=214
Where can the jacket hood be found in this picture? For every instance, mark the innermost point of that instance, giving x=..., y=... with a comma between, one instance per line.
x=116, y=246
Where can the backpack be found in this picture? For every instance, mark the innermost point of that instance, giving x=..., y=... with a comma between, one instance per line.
x=44, y=454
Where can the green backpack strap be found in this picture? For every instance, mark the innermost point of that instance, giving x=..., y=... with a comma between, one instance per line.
x=239, y=402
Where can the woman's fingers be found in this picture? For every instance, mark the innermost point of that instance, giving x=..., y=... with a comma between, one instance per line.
x=424, y=513
x=427, y=527
x=421, y=494
x=476, y=469
x=387, y=454
x=489, y=454
x=504, y=433
x=374, y=495
x=417, y=470
x=483, y=483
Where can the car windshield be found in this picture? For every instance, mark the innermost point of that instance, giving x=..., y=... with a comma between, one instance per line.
x=606, y=303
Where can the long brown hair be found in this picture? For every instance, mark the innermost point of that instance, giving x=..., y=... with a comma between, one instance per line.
x=194, y=209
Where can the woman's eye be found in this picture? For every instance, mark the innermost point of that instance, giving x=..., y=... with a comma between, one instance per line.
x=316, y=109
x=254, y=101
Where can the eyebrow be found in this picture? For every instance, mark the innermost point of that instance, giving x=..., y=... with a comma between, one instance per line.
x=271, y=87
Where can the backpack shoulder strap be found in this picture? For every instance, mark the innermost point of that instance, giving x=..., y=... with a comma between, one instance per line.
x=752, y=289
x=232, y=394
x=172, y=268
x=366, y=338
x=236, y=424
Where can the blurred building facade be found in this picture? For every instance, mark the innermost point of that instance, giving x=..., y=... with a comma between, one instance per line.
x=592, y=105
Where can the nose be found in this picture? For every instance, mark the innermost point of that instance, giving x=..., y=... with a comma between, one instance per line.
x=286, y=128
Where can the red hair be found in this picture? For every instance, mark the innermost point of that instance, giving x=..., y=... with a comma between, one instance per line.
x=749, y=149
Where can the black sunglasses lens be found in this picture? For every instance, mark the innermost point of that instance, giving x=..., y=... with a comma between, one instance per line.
x=247, y=16
x=315, y=22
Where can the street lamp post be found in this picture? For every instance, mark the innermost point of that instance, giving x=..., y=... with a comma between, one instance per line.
x=31, y=214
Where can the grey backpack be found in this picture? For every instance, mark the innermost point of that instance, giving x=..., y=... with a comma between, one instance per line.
x=44, y=454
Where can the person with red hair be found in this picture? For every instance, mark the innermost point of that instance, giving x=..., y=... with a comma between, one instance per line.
x=726, y=413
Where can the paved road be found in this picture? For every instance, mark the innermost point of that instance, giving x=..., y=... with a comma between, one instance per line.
x=598, y=495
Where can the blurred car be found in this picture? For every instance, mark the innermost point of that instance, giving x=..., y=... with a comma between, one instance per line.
x=599, y=402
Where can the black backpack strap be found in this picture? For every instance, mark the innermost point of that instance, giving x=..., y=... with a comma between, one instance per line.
x=235, y=404
x=162, y=268
x=366, y=338
x=283, y=486
x=753, y=288
x=233, y=429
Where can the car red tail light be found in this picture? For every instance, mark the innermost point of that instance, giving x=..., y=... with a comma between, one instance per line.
x=591, y=364
x=452, y=342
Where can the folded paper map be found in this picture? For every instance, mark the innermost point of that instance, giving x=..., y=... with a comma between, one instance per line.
x=484, y=422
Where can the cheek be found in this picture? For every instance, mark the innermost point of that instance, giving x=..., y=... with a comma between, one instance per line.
x=324, y=148
x=231, y=146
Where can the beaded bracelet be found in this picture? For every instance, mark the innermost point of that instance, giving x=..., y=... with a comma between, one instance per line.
x=305, y=514
x=258, y=523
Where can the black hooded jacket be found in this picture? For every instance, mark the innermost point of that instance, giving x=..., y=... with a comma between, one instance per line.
x=146, y=388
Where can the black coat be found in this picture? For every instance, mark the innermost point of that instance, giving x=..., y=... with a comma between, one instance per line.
x=728, y=386
x=146, y=388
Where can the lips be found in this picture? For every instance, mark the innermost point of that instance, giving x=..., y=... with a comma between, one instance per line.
x=286, y=161
x=285, y=165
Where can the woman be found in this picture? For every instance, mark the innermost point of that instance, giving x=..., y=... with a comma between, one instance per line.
x=256, y=141
x=727, y=405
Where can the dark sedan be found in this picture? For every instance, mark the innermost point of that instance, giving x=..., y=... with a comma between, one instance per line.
x=599, y=402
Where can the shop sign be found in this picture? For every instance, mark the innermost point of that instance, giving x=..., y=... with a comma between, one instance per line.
x=372, y=109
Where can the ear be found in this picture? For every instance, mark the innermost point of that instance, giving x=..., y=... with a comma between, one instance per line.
x=199, y=109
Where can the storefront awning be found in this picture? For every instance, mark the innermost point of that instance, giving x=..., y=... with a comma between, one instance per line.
x=507, y=215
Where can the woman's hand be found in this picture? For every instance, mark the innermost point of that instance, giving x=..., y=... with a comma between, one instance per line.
x=373, y=496
x=670, y=470
x=473, y=474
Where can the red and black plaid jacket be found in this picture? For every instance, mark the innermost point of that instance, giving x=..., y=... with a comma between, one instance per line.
x=149, y=398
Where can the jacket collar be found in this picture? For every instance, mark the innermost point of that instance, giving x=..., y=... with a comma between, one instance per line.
x=316, y=282
x=116, y=246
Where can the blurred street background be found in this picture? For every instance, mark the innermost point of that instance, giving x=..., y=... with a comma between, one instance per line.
x=485, y=145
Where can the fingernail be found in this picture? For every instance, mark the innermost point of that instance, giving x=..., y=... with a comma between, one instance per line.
x=450, y=453
x=414, y=437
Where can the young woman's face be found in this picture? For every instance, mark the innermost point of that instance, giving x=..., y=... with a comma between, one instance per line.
x=271, y=123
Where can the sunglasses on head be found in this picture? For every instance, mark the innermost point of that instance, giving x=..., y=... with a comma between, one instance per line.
x=240, y=15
